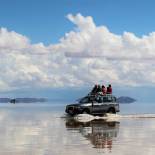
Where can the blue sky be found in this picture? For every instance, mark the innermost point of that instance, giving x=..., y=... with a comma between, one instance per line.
x=44, y=20
x=114, y=28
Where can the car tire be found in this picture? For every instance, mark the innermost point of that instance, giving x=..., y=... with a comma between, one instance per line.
x=71, y=112
x=86, y=111
x=112, y=110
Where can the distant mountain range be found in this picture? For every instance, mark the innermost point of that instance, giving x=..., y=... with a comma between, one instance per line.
x=122, y=99
x=125, y=99
x=22, y=100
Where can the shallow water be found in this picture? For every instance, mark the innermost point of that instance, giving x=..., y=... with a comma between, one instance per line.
x=43, y=129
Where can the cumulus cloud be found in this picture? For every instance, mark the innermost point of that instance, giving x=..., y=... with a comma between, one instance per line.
x=87, y=54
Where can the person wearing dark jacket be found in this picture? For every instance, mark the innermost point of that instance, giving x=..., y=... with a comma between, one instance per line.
x=99, y=89
x=94, y=90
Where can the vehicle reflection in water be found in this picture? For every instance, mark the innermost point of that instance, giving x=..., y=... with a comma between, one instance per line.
x=99, y=132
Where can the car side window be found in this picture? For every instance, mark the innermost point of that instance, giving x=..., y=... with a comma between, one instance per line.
x=114, y=99
x=91, y=98
x=104, y=99
x=84, y=100
x=98, y=99
x=107, y=99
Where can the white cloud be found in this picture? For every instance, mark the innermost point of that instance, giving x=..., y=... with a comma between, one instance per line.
x=83, y=56
x=83, y=23
x=12, y=40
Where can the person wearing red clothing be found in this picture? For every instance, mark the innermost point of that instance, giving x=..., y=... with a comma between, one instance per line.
x=103, y=90
x=109, y=89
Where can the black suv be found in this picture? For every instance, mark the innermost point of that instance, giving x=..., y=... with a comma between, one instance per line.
x=94, y=104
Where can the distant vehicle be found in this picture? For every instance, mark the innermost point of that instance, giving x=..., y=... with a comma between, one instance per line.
x=13, y=101
x=94, y=105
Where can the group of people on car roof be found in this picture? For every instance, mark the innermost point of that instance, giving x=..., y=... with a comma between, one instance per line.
x=102, y=90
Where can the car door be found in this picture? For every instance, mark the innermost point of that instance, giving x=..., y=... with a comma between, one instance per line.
x=105, y=104
x=97, y=105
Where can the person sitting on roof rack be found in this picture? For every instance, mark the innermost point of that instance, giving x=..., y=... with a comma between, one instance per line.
x=103, y=90
x=99, y=89
x=94, y=90
x=109, y=89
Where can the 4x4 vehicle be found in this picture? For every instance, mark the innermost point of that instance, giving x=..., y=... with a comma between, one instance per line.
x=94, y=104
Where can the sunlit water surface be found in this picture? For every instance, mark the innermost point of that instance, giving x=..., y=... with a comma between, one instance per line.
x=43, y=129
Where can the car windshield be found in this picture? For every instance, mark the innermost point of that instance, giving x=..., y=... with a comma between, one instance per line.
x=84, y=100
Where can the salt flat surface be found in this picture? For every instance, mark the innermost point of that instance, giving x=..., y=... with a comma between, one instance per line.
x=41, y=130
x=111, y=117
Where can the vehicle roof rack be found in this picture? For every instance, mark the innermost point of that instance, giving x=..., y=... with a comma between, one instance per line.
x=106, y=95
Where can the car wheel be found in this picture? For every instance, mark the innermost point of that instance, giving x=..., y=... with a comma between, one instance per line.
x=71, y=112
x=112, y=111
x=86, y=111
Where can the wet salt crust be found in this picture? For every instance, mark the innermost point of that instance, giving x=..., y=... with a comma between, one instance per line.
x=40, y=129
